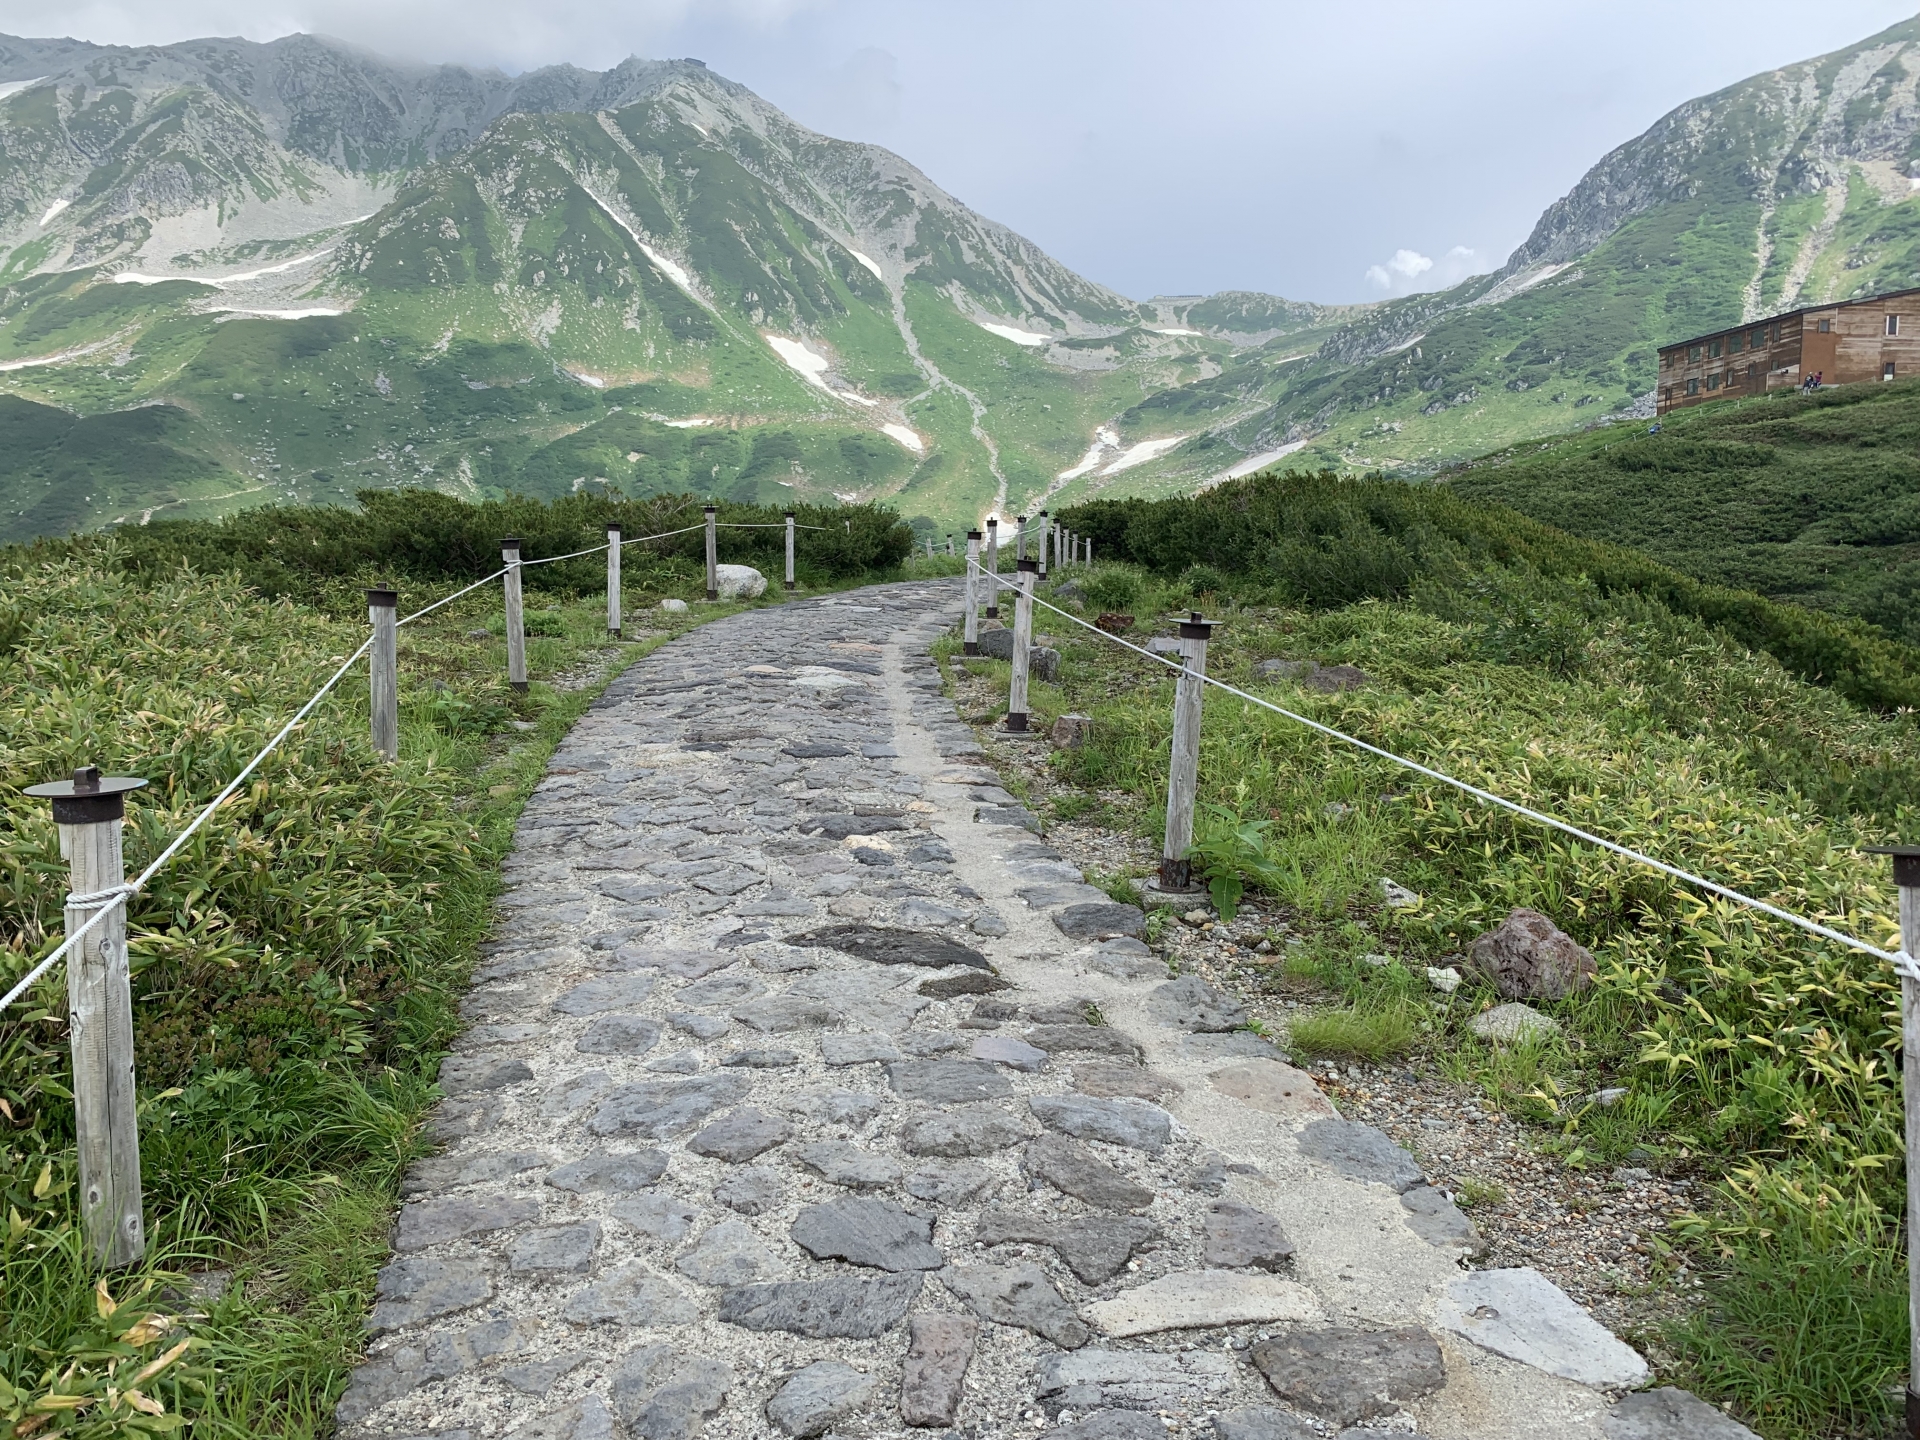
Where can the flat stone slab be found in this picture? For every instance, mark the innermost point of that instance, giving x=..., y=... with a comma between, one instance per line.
x=632, y=1294
x=1192, y=1004
x=865, y=1231
x=619, y=1035
x=730, y=1253
x=1084, y=1040
x=1524, y=1316
x=948, y=1184
x=1348, y=1375
x=1095, y=1247
x=884, y=946
x=1019, y=1295
x=1091, y=1379
x=850, y=1307
x=1112, y=1425
x=1192, y=1299
x=840, y=1162
x=1073, y=1169
x=1101, y=920
x=958, y=1134
x=950, y=987
x=1136, y=1124
x=1263, y=1422
x=434, y=1222
x=741, y=1136
x=1275, y=1087
x=947, y=1082
x=611, y=992
x=933, y=1379
x=1239, y=1237
x=1362, y=1152
x=862, y=1049
x=658, y=1109
x=471, y=1074
x=417, y=1288
x=1122, y=1082
x=659, y=1217
x=667, y=1394
x=686, y=964
x=1438, y=1221
x=555, y=1249
x=1006, y=1050
x=819, y=1394
x=751, y=1190
x=1670, y=1414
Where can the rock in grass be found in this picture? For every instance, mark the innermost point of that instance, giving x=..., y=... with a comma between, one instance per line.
x=1513, y=1023
x=1528, y=957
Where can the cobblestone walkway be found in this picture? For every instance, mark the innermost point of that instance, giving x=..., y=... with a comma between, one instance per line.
x=807, y=1091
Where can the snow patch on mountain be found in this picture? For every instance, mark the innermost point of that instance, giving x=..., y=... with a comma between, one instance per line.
x=1143, y=452
x=53, y=209
x=877, y=273
x=906, y=437
x=1009, y=332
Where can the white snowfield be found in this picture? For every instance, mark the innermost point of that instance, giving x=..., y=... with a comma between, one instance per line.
x=867, y=262
x=306, y=312
x=1104, y=440
x=53, y=209
x=1170, y=330
x=1017, y=336
x=1139, y=454
x=674, y=272
x=805, y=363
x=1261, y=461
x=906, y=437
x=14, y=87
x=220, y=282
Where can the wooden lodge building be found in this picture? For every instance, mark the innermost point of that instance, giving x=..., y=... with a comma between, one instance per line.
x=1845, y=343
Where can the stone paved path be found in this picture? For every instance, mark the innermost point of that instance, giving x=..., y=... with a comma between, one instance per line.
x=807, y=1091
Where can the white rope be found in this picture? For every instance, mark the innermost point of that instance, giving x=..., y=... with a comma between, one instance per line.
x=1902, y=963
x=98, y=897
x=451, y=598
x=663, y=535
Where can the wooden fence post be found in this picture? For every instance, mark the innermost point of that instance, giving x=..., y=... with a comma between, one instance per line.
x=1183, y=770
x=1089, y=550
x=713, y=552
x=1025, y=571
x=89, y=810
x=789, y=549
x=1906, y=875
x=1019, y=539
x=383, y=672
x=1041, y=548
x=971, y=636
x=516, y=616
x=993, y=567
x=615, y=600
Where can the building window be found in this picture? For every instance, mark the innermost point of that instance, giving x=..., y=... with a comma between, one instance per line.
x=1893, y=325
x=1886, y=371
x=1693, y=352
x=1758, y=339
x=1713, y=350
x=1753, y=373
x=1713, y=381
x=1825, y=326
x=1666, y=394
x=1693, y=387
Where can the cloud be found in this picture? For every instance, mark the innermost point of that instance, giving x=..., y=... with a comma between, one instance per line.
x=1409, y=272
x=859, y=98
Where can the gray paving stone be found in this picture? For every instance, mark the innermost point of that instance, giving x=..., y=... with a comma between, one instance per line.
x=1019, y=1295
x=585, y=1419
x=1100, y=920
x=610, y=992
x=884, y=946
x=1670, y=1414
x=863, y=1230
x=1006, y=1050
x=741, y=1136
x=1136, y=1124
x=858, y=1049
x=1073, y=1169
x=814, y=1397
x=701, y=1027
x=1192, y=1004
x=434, y=1222
x=933, y=1380
x=500, y=1035
x=851, y=1307
x=680, y=1062
x=466, y=1074
x=1523, y=1315
x=842, y=1163
x=1095, y=1247
x=1239, y=1236
x=1438, y=1221
x=947, y=1082
x=1348, y=1375
x=660, y=1108
x=752, y=1190
x=926, y=1044
x=537, y=1377
x=948, y=1184
x=631, y=1294
x=417, y=1288
x=730, y=1253
x=687, y=964
x=719, y=990
x=1118, y=1082
x=619, y=1035
x=448, y=1172
x=765, y=1058
x=1262, y=1422
x=1093, y=1379
x=1112, y=1425
x=781, y=1014
x=967, y=982
x=1361, y=1152
x=1083, y=1040
x=660, y=1217
x=667, y=1394
x=961, y=1133
x=573, y=1094
x=555, y=1249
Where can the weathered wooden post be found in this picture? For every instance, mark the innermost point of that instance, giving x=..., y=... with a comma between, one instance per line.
x=1024, y=573
x=1089, y=550
x=993, y=567
x=1906, y=875
x=789, y=549
x=1041, y=548
x=90, y=810
x=929, y=547
x=383, y=672
x=949, y=544
x=1183, y=770
x=713, y=552
x=1019, y=539
x=1066, y=546
x=970, y=638
x=516, y=616
x=615, y=600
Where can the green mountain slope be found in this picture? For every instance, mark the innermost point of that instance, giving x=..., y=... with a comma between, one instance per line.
x=1814, y=499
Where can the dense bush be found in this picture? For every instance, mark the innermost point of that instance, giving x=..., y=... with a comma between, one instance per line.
x=424, y=536
x=1323, y=542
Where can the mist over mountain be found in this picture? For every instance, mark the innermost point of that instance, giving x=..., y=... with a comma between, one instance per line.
x=233, y=273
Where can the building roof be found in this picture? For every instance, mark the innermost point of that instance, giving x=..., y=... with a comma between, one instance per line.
x=1787, y=315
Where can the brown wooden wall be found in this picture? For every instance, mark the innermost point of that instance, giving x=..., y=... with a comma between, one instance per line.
x=1845, y=343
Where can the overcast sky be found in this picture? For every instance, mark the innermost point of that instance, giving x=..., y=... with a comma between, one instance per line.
x=1322, y=151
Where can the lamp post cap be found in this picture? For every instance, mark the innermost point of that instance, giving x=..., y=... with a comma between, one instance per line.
x=88, y=797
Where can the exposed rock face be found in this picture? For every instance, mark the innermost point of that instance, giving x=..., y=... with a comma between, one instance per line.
x=1530, y=958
